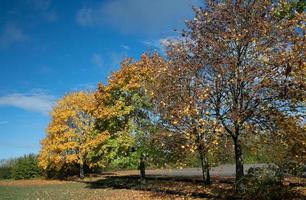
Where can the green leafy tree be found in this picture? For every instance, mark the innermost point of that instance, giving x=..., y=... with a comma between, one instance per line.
x=124, y=110
x=288, y=9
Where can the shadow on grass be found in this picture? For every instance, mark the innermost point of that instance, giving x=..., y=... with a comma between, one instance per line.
x=165, y=186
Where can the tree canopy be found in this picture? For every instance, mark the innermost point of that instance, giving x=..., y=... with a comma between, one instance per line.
x=237, y=72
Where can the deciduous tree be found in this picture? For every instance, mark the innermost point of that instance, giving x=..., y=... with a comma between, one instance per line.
x=182, y=104
x=124, y=107
x=70, y=134
x=242, y=63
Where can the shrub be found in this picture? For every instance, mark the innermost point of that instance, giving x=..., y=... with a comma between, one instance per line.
x=291, y=167
x=264, y=183
x=26, y=167
x=71, y=170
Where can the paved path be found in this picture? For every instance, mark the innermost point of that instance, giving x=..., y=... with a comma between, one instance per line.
x=221, y=171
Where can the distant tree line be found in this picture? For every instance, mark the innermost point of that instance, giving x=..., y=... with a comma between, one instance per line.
x=25, y=167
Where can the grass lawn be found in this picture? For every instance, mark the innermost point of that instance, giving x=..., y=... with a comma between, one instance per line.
x=60, y=190
x=114, y=187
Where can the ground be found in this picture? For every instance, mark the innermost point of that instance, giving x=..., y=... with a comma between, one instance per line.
x=108, y=188
x=38, y=190
x=161, y=184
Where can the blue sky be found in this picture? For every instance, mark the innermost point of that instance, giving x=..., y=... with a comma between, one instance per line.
x=51, y=47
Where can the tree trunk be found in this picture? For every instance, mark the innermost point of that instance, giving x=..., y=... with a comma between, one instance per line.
x=207, y=181
x=142, y=168
x=205, y=168
x=238, y=160
x=82, y=170
x=203, y=158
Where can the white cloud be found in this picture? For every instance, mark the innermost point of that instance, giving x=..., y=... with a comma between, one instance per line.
x=169, y=40
x=161, y=43
x=34, y=102
x=137, y=16
x=11, y=35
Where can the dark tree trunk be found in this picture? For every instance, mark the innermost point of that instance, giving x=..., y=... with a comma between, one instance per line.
x=82, y=171
x=207, y=181
x=203, y=158
x=142, y=168
x=238, y=160
x=202, y=166
x=205, y=168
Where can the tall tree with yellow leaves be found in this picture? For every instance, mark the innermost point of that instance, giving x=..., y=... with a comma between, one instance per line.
x=70, y=134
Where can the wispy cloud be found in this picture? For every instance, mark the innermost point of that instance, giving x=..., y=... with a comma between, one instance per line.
x=152, y=44
x=161, y=43
x=125, y=47
x=169, y=40
x=3, y=122
x=111, y=61
x=85, y=86
x=11, y=35
x=44, y=69
x=40, y=4
x=44, y=8
x=18, y=145
x=137, y=16
x=96, y=59
x=115, y=58
x=33, y=102
x=50, y=15
x=87, y=17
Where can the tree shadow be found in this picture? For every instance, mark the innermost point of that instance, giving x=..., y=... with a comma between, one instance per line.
x=162, y=185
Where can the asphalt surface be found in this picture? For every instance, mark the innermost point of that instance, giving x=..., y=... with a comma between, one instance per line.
x=220, y=171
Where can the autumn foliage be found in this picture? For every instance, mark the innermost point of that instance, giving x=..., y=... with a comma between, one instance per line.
x=235, y=79
x=71, y=134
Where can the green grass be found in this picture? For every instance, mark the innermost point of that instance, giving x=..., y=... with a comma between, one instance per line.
x=60, y=191
x=120, y=187
x=64, y=191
